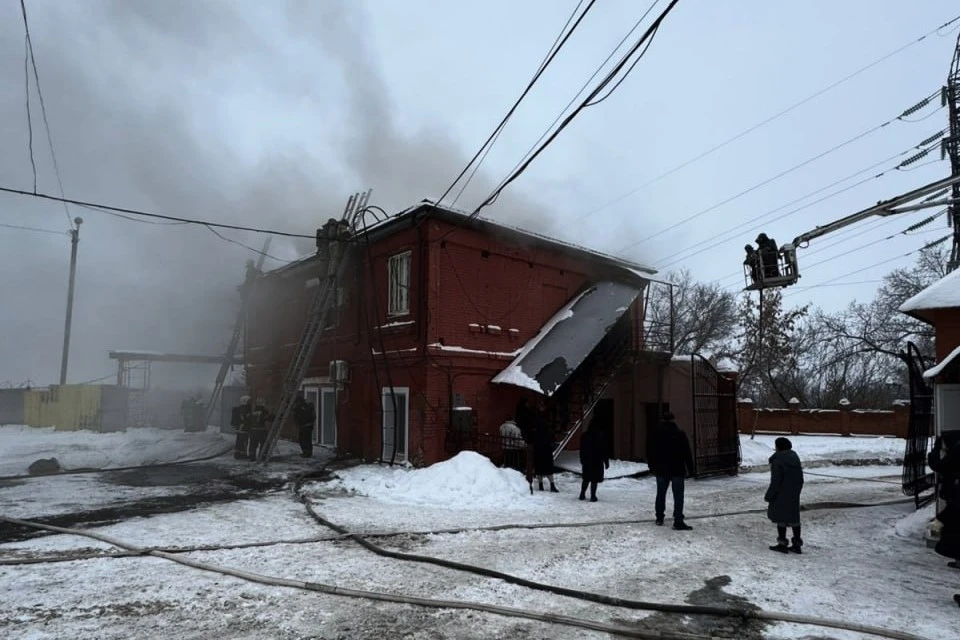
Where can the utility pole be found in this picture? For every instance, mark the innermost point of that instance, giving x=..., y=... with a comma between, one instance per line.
x=74, y=240
x=951, y=147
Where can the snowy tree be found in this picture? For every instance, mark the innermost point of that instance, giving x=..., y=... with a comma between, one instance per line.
x=704, y=315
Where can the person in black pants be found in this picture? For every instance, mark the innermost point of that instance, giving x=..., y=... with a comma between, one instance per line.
x=944, y=459
x=593, y=459
x=305, y=417
x=671, y=461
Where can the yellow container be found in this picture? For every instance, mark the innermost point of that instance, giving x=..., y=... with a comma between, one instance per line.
x=67, y=407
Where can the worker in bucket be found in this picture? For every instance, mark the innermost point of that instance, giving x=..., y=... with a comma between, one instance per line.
x=753, y=262
x=767, y=248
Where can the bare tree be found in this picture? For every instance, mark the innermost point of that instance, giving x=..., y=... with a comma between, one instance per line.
x=704, y=315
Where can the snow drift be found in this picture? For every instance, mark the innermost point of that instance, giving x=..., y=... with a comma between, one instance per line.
x=468, y=480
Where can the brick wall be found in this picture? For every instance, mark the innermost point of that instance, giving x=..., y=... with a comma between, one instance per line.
x=844, y=420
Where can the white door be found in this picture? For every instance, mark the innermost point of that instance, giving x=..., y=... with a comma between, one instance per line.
x=394, y=427
x=327, y=415
x=312, y=395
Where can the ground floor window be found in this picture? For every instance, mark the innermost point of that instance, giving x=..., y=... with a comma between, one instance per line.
x=394, y=426
x=324, y=401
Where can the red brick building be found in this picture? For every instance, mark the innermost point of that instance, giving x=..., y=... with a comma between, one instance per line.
x=462, y=317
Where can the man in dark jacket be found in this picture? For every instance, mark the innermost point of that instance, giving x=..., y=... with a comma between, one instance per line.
x=240, y=420
x=305, y=417
x=769, y=256
x=670, y=460
x=543, y=442
x=944, y=459
x=783, y=495
x=593, y=459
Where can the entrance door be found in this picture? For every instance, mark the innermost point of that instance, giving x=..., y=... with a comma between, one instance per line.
x=327, y=417
x=312, y=396
x=394, y=426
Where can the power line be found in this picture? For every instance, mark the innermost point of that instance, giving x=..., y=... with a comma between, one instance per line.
x=585, y=104
x=137, y=212
x=763, y=183
x=245, y=246
x=543, y=67
x=543, y=64
x=772, y=118
x=726, y=236
x=26, y=73
x=877, y=264
x=37, y=229
x=43, y=111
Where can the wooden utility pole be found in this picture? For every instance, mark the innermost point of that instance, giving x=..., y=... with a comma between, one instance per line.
x=74, y=241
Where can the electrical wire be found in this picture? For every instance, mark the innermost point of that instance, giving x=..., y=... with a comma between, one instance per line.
x=583, y=105
x=543, y=64
x=760, y=184
x=772, y=118
x=713, y=241
x=160, y=216
x=26, y=73
x=37, y=229
x=43, y=112
x=246, y=246
x=543, y=67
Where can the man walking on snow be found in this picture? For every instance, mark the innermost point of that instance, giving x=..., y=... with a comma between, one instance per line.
x=670, y=460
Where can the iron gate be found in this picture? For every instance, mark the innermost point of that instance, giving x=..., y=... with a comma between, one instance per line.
x=716, y=447
x=916, y=478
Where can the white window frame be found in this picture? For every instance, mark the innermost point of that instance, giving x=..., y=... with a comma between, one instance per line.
x=398, y=284
x=386, y=404
x=327, y=394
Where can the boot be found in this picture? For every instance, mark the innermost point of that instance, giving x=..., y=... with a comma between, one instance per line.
x=540, y=483
x=583, y=497
x=553, y=488
x=781, y=546
x=593, y=498
x=680, y=525
x=795, y=545
x=659, y=521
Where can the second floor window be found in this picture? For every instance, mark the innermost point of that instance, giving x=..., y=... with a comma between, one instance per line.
x=398, y=275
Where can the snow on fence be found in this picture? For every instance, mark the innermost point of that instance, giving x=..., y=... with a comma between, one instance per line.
x=842, y=420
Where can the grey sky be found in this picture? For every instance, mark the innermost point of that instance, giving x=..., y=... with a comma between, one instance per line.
x=272, y=113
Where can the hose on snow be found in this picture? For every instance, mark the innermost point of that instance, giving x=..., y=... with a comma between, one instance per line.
x=686, y=609
x=550, y=618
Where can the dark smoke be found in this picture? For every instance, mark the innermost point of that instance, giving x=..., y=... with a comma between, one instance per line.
x=251, y=113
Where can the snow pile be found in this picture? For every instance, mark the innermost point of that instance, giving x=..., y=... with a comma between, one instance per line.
x=23, y=445
x=825, y=449
x=570, y=461
x=466, y=481
x=915, y=525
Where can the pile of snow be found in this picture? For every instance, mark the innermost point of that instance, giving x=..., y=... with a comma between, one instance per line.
x=825, y=449
x=466, y=481
x=570, y=461
x=915, y=525
x=89, y=449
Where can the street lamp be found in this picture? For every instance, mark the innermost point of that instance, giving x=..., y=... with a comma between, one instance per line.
x=74, y=240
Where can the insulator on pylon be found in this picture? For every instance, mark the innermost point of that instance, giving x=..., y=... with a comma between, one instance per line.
x=932, y=138
x=923, y=222
x=936, y=195
x=915, y=108
x=913, y=158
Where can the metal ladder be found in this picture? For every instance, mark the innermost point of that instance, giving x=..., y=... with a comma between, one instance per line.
x=323, y=301
x=238, y=328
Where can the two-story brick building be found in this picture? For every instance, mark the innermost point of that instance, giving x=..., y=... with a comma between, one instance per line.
x=461, y=317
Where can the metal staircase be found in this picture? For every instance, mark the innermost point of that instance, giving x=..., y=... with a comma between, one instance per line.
x=588, y=384
x=324, y=300
x=238, y=329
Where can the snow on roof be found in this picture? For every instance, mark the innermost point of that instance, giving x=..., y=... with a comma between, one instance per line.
x=935, y=371
x=514, y=374
x=942, y=294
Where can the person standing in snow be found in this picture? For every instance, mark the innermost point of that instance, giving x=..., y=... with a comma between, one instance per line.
x=783, y=495
x=593, y=459
x=512, y=440
x=671, y=461
x=543, y=442
x=240, y=420
x=258, y=429
x=305, y=417
x=944, y=459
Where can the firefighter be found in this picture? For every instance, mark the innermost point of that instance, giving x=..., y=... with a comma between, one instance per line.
x=259, y=422
x=240, y=420
x=753, y=262
x=768, y=256
x=306, y=417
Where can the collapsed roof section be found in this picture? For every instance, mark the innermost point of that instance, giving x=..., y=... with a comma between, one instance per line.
x=564, y=342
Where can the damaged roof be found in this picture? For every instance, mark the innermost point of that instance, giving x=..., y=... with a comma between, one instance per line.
x=428, y=208
x=565, y=341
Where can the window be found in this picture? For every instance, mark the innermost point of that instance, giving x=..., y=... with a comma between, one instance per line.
x=398, y=274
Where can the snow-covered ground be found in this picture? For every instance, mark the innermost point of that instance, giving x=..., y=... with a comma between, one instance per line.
x=816, y=450
x=570, y=461
x=866, y=565
x=22, y=445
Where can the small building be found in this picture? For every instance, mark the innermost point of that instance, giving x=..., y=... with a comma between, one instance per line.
x=444, y=321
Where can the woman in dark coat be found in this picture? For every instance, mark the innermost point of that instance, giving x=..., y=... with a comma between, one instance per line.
x=543, y=451
x=786, y=483
x=593, y=460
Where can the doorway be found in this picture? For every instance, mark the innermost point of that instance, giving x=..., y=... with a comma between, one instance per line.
x=394, y=426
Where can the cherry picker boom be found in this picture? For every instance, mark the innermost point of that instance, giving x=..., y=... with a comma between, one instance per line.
x=762, y=275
